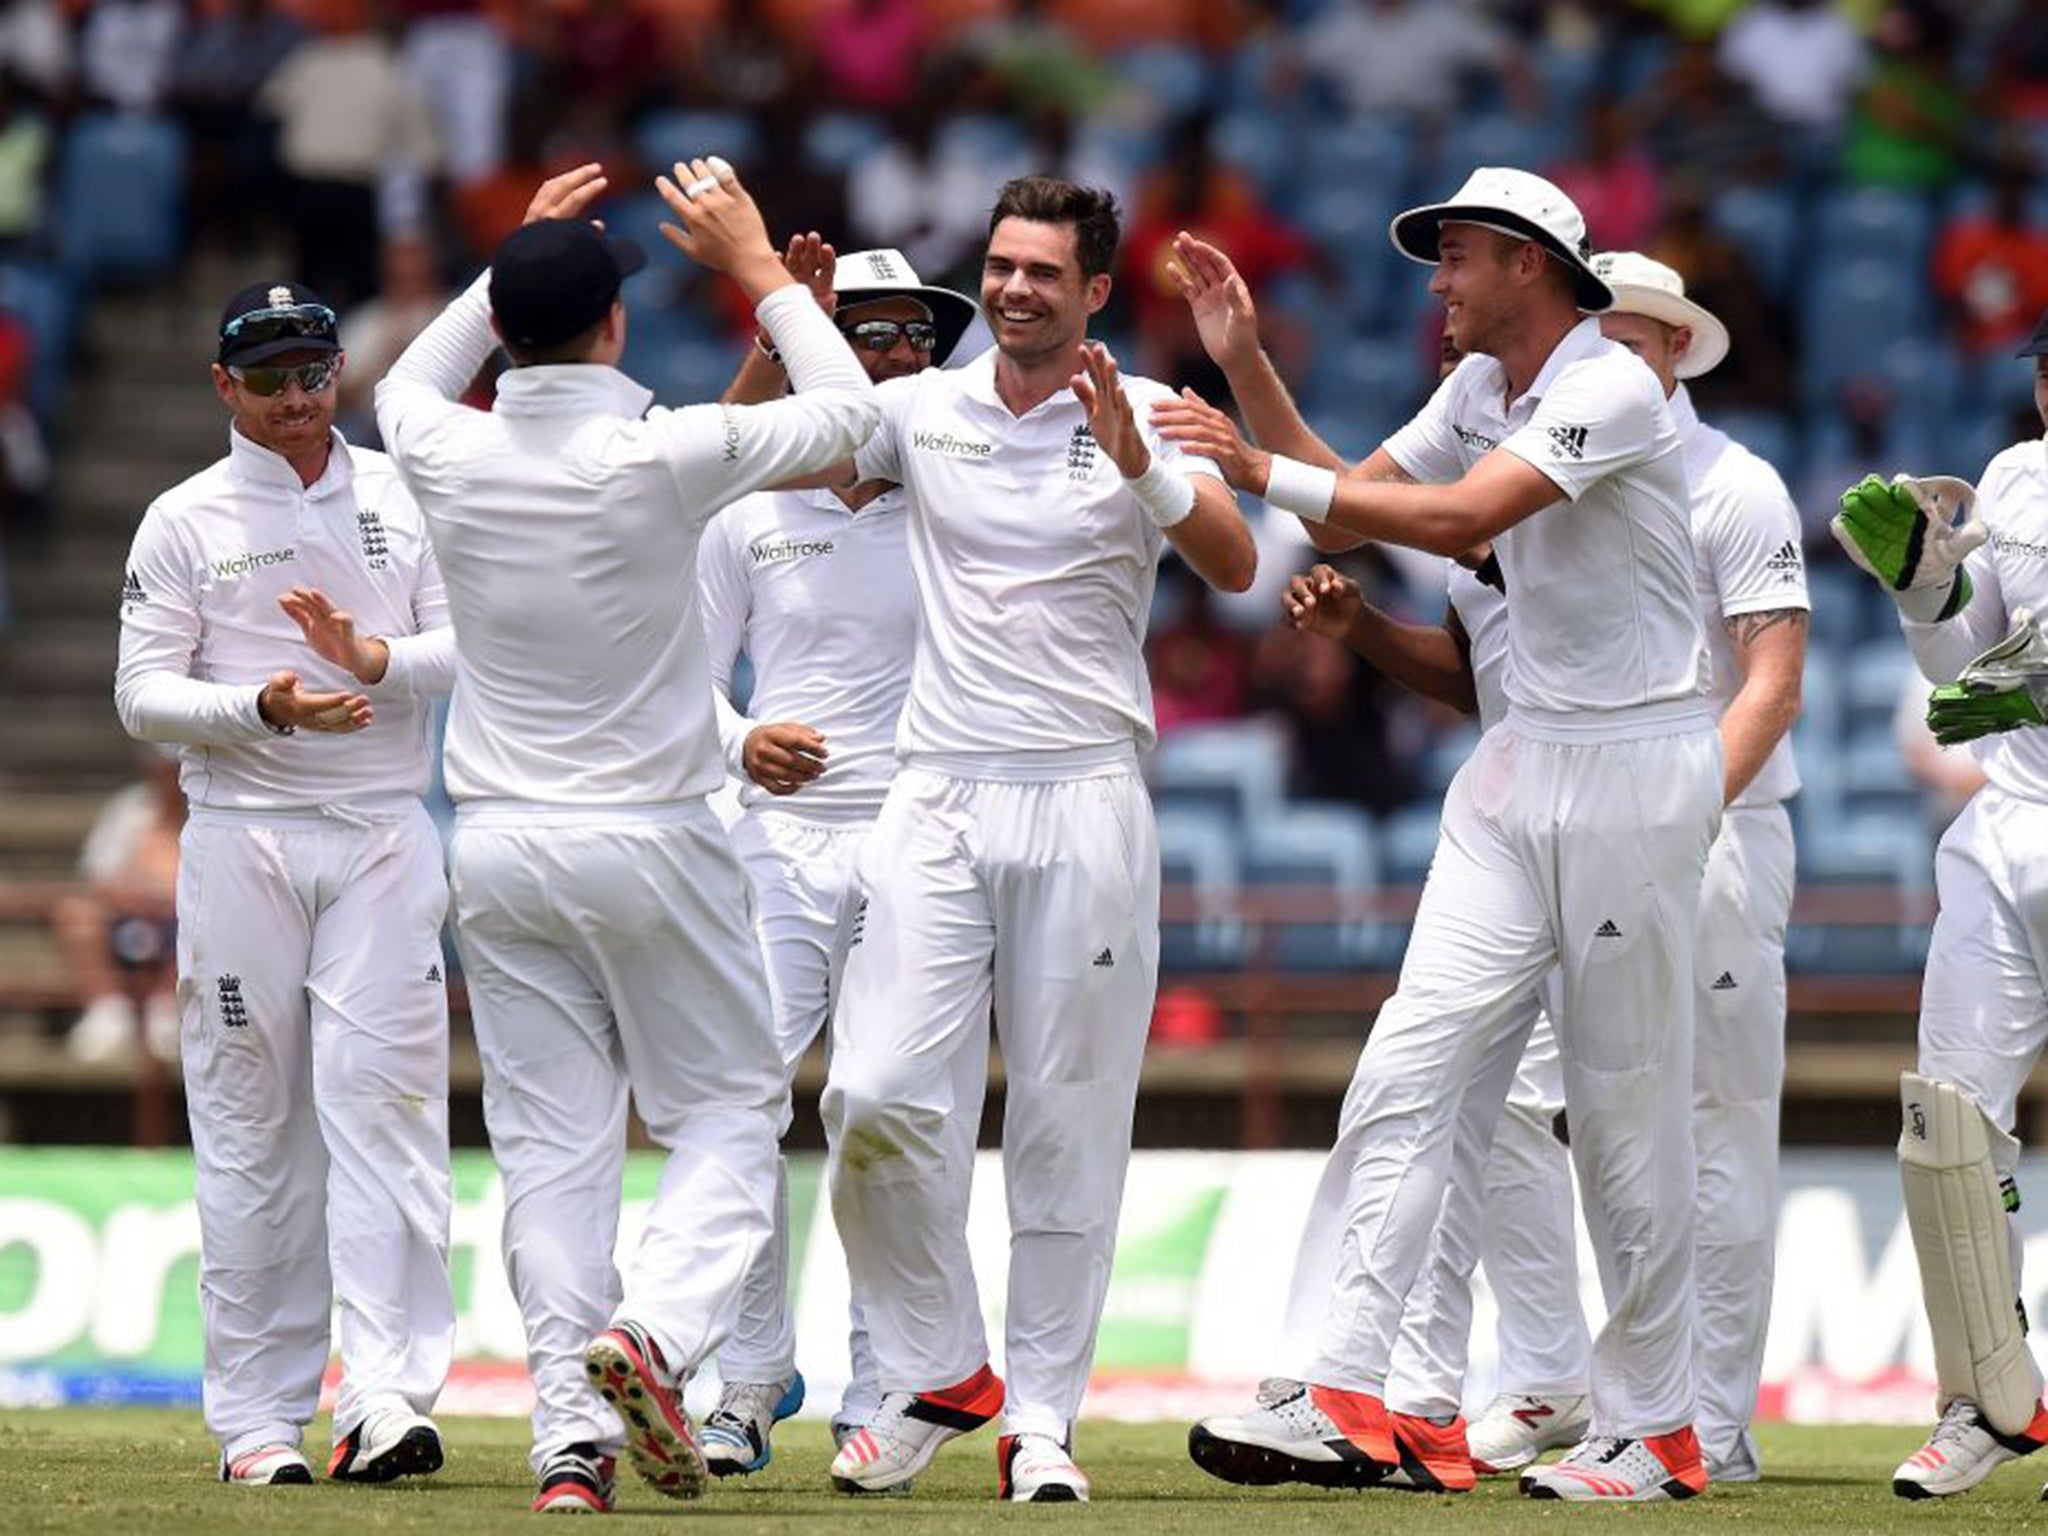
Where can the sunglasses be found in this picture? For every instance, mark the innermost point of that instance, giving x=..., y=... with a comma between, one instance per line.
x=881, y=335
x=282, y=323
x=310, y=377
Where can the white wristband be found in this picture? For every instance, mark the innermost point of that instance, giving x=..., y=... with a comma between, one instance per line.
x=1302, y=489
x=1167, y=497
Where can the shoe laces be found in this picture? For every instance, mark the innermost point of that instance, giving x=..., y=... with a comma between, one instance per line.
x=1037, y=1451
x=1598, y=1450
x=749, y=1402
x=1958, y=1423
x=1275, y=1390
x=580, y=1457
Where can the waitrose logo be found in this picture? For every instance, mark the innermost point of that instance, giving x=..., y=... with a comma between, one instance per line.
x=243, y=564
x=949, y=446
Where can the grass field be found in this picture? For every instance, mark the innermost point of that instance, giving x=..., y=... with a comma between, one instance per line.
x=134, y=1470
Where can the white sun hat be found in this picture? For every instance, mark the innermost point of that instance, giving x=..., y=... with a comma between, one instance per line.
x=1517, y=203
x=863, y=276
x=1643, y=286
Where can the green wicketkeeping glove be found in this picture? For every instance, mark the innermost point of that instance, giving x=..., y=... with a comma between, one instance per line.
x=2002, y=690
x=1913, y=536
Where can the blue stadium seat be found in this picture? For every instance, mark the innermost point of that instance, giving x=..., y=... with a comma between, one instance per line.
x=1317, y=845
x=1259, y=145
x=1767, y=434
x=1874, y=777
x=981, y=138
x=1883, y=221
x=120, y=200
x=1846, y=305
x=1198, y=851
x=1446, y=755
x=1239, y=769
x=834, y=141
x=663, y=138
x=678, y=369
x=42, y=297
x=1408, y=841
x=1876, y=851
x=1362, y=154
x=1177, y=78
x=1764, y=221
x=1871, y=684
x=1495, y=139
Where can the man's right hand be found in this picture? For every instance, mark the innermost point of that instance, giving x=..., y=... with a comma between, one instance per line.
x=718, y=225
x=783, y=757
x=1913, y=535
x=285, y=705
x=1224, y=315
x=1323, y=602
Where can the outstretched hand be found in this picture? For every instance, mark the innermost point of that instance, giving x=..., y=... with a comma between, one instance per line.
x=812, y=262
x=1324, y=601
x=718, y=225
x=286, y=704
x=1203, y=430
x=1225, y=317
x=332, y=634
x=1099, y=388
x=569, y=195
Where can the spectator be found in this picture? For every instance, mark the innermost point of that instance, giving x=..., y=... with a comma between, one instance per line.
x=912, y=197
x=1801, y=59
x=126, y=51
x=35, y=44
x=373, y=335
x=24, y=164
x=118, y=934
x=2018, y=50
x=461, y=64
x=220, y=71
x=1034, y=62
x=1409, y=58
x=1614, y=181
x=1913, y=116
x=744, y=64
x=1201, y=671
x=1758, y=373
x=868, y=52
x=612, y=52
x=1691, y=115
x=1991, y=269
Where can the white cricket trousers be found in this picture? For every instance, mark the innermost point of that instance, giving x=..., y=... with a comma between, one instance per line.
x=1984, y=1003
x=315, y=1046
x=1565, y=847
x=611, y=950
x=1039, y=896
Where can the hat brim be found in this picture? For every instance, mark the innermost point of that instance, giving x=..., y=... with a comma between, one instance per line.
x=1709, y=335
x=264, y=351
x=952, y=313
x=1415, y=232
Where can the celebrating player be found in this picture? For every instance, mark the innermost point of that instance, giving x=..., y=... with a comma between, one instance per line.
x=1576, y=836
x=815, y=586
x=1960, y=585
x=601, y=912
x=1015, y=859
x=310, y=901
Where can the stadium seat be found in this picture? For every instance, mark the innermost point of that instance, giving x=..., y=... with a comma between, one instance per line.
x=1198, y=853
x=1176, y=77
x=120, y=200
x=1835, y=589
x=1846, y=304
x=1256, y=144
x=1495, y=139
x=1871, y=685
x=42, y=297
x=1238, y=769
x=1767, y=434
x=666, y=137
x=1764, y=221
x=1881, y=851
x=1881, y=221
x=982, y=139
x=1364, y=155
x=1446, y=755
x=1408, y=841
x=1318, y=846
x=834, y=141
x=1874, y=777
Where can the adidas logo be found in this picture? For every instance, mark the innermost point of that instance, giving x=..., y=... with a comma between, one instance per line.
x=1725, y=982
x=1787, y=561
x=1608, y=930
x=1569, y=441
x=1105, y=958
x=434, y=973
x=131, y=590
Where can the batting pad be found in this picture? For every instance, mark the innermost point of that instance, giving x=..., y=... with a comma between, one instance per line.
x=1956, y=1210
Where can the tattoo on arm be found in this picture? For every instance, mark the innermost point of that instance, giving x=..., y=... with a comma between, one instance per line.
x=1744, y=628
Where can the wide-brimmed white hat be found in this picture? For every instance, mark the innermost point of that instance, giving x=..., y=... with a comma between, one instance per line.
x=1642, y=286
x=863, y=276
x=1517, y=203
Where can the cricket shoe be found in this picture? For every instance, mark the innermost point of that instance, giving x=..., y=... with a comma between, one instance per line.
x=628, y=1370
x=1517, y=1428
x=844, y=1430
x=1298, y=1433
x=267, y=1466
x=389, y=1443
x=908, y=1429
x=736, y=1431
x=578, y=1479
x=1037, y=1469
x=1607, y=1469
x=1963, y=1450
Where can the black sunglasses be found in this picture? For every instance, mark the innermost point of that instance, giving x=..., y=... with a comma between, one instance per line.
x=282, y=323
x=310, y=377
x=881, y=335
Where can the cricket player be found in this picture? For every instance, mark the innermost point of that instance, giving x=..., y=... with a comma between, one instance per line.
x=1969, y=571
x=310, y=901
x=602, y=915
x=1575, y=837
x=1752, y=593
x=815, y=587
x=1015, y=860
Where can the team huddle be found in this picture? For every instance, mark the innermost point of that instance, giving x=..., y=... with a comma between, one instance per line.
x=941, y=571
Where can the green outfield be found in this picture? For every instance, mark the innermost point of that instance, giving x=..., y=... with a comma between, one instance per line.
x=134, y=1470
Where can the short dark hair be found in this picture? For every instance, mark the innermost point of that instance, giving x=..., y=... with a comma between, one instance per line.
x=576, y=349
x=1047, y=200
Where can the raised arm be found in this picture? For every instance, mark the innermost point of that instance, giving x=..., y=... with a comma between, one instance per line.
x=761, y=376
x=1433, y=660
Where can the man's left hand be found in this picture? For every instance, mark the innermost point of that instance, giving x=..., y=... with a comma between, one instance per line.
x=332, y=634
x=1099, y=388
x=1955, y=714
x=569, y=195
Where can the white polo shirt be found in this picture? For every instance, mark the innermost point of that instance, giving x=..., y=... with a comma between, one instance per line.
x=567, y=521
x=1035, y=567
x=1483, y=611
x=1746, y=560
x=1601, y=611
x=822, y=601
x=201, y=631
x=2008, y=573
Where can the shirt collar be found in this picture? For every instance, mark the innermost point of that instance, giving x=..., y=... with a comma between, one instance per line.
x=978, y=382
x=572, y=389
x=1683, y=414
x=254, y=464
x=1582, y=340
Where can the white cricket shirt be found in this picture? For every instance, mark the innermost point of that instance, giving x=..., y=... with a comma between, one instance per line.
x=822, y=601
x=567, y=521
x=1747, y=559
x=201, y=631
x=2008, y=573
x=1034, y=563
x=1483, y=611
x=1601, y=612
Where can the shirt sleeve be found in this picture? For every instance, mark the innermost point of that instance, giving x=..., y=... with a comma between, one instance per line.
x=881, y=457
x=724, y=595
x=1596, y=421
x=420, y=392
x=1750, y=537
x=1427, y=447
x=155, y=693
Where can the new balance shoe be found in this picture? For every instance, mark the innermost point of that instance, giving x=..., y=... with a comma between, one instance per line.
x=1608, y=1469
x=1517, y=1428
x=1962, y=1452
x=1299, y=1433
x=908, y=1429
x=578, y=1479
x=736, y=1432
x=844, y=1430
x=1037, y=1469
x=388, y=1443
x=267, y=1466
x=628, y=1370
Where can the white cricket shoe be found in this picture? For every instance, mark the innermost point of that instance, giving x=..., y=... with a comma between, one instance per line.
x=1036, y=1469
x=267, y=1466
x=1517, y=1428
x=1297, y=1432
x=908, y=1429
x=1962, y=1452
x=735, y=1433
x=1608, y=1469
x=578, y=1479
x=388, y=1443
x=844, y=1430
x=628, y=1369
